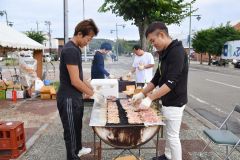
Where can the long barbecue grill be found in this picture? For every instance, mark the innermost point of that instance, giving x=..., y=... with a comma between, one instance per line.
x=122, y=135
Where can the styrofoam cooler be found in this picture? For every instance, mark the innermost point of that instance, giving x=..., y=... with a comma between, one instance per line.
x=108, y=87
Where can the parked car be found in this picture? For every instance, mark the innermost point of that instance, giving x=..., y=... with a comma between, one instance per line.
x=237, y=64
x=1, y=59
x=46, y=57
x=234, y=61
x=54, y=57
x=221, y=62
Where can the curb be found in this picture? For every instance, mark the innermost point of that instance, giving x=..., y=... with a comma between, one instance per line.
x=200, y=118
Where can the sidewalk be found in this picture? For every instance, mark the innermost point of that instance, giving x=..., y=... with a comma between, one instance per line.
x=35, y=114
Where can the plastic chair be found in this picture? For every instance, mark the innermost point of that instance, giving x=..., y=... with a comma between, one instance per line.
x=223, y=137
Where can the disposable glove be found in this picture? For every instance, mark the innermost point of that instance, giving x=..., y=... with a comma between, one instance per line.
x=98, y=98
x=146, y=103
x=129, y=74
x=141, y=67
x=138, y=96
x=111, y=76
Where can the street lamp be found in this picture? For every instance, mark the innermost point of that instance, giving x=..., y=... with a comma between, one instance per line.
x=8, y=23
x=85, y=47
x=198, y=17
x=116, y=30
x=65, y=20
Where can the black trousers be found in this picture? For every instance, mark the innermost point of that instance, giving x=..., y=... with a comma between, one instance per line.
x=71, y=113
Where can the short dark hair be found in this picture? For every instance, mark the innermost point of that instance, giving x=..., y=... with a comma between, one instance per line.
x=85, y=27
x=156, y=26
x=107, y=46
x=137, y=47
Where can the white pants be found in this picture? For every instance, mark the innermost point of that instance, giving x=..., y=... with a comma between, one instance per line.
x=173, y=119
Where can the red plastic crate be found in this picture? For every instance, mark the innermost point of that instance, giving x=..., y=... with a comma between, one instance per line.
x=12, y=139
x=12, y=153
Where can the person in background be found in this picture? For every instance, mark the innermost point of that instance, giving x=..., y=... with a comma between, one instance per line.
x=143, y=66
x=171, y=78
x=98, y=71
x=72, y=87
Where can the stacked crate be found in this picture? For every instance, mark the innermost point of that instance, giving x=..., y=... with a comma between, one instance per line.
x=12, y=140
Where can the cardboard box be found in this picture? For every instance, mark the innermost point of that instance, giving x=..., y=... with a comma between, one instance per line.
x=9, y=94
x=54, y=96
x=130, y=87
x=108, y=87
x=2, y=94
x=45, y=96
x=46, y=89
x=9, y=84
x=18, y=87
x=20, y=94
x=2, y=85
x=127, y=158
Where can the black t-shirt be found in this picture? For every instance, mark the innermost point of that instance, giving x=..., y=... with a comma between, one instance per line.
x=71, y=54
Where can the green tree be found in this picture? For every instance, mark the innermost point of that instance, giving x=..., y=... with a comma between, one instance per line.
x=142, y=13
x=37, y=36
x=212, y=40
x=125, y=47
x=200, y=41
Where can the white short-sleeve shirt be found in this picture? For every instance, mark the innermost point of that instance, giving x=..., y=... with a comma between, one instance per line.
x=146, y=74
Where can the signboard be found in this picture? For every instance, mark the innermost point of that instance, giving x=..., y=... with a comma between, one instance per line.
x=231, y=50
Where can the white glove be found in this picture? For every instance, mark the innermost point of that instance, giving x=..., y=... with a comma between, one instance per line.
x=141, y=67
x=138, y=96
x=129, y=74
x=111, y=76
x=98, y=98
x=146, y=103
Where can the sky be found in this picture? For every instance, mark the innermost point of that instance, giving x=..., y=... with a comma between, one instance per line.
x=25, y=14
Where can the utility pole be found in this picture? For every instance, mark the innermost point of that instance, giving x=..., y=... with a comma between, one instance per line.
x=116, y=30
x=65, y=17
x=190, y=30
x=85, y=48
x=7, y=22
x=48, y=23
x=37, y=25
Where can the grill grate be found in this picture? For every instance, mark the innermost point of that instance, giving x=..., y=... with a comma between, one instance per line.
x=123, y=117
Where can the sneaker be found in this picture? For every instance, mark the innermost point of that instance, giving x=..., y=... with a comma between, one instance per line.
x=162, y=157
x=84, y=151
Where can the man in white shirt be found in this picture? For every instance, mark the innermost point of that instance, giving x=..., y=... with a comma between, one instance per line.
x=143, y=65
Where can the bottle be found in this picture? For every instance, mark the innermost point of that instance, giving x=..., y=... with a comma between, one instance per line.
x=14, y=95
x=145, y=84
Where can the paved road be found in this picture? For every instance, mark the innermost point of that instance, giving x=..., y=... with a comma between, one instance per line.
x=213, y=95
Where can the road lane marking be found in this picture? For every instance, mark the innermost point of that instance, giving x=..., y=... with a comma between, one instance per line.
x=206, y=103
x=225, y=84
x=227, y=75
x=198, y=99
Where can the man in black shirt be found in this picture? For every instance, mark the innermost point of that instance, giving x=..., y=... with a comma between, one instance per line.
x=72, y=87
x=171, y=78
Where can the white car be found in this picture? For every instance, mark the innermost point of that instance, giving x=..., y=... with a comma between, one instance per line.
x=46, y=57
x=234, y=61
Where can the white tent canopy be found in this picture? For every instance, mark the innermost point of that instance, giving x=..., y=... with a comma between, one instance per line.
x=11, y=38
